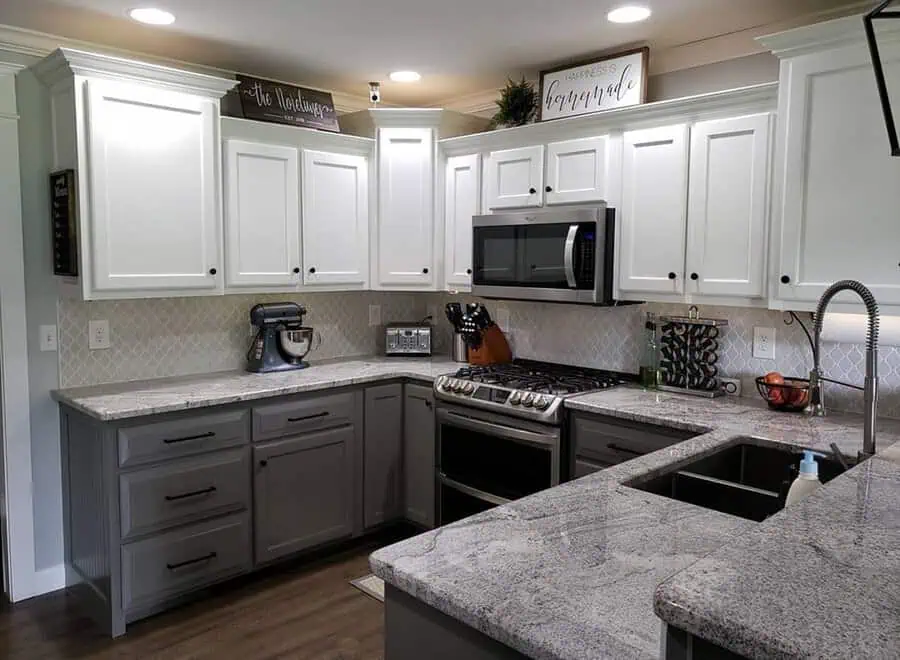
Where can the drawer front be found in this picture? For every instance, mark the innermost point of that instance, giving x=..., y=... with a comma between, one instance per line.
x=182, y=437
x=170, y=564
x=316, y=414
x=183, y=491
x=610, y=442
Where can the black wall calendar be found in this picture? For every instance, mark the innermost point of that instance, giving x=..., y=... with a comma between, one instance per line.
x=63, y=217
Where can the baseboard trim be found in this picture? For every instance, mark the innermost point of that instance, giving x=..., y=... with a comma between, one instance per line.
x=49, y=579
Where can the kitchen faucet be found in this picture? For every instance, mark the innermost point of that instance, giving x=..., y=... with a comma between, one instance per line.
x=816, y=403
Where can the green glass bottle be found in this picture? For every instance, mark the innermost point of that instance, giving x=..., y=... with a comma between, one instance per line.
x=650, y=358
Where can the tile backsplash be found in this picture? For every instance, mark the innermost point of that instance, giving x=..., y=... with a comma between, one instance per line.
x=183, y=336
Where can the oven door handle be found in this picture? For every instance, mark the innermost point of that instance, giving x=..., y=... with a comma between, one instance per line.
x=543, y=441
x=496, y=500
x=569, y=256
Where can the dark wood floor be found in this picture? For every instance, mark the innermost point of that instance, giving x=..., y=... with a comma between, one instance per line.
x=304, y=612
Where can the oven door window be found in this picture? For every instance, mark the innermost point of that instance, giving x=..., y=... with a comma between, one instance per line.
x=494, y=465
x=535, y=255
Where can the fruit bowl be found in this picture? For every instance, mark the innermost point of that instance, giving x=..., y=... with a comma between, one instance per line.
x=784, y=394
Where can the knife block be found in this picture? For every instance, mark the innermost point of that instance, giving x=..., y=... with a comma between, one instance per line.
x=494, y=348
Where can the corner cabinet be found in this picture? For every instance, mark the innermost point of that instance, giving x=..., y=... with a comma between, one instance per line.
x=836, y=184
x=262, y=215
x=144, y=142
x=461, y=202
x=404, y=250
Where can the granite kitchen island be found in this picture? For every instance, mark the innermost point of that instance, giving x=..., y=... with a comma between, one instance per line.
x=572, y=572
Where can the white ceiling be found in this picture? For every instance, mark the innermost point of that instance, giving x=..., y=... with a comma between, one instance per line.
x=461, y=47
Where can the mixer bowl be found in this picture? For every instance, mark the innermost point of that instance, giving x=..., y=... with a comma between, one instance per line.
x=296, y=343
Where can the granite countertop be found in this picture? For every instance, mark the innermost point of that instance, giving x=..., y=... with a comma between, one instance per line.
x=163, y=395
x=571, y=572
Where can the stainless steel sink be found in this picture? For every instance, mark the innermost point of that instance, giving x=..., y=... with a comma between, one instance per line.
x=746, y=479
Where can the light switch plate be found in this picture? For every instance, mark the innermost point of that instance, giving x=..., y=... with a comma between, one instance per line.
x=98, y=335
x=48, y=338
x=764, y=343
x=374, y=315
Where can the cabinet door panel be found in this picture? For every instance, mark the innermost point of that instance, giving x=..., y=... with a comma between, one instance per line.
x=837, y=216
x=728, y=206
x=303, y=488
x=419, y=455
x=406, y=207
x=262, y=238
x=383, y=454
x=577, y=171
x=654, y=210
x=335, y=218
x=463, y=187
x=154, y=220
x=512, y=175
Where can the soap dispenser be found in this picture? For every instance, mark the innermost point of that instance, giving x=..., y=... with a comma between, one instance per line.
x=808, y=479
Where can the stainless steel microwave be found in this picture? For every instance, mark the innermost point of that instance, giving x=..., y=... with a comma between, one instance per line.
x=562, y=255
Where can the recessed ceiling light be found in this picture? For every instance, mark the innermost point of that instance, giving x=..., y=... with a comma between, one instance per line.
x=628, y=14
x=152, y=16
x=405, y=76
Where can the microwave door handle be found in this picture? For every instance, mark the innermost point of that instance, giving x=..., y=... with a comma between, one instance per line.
x=569, y=256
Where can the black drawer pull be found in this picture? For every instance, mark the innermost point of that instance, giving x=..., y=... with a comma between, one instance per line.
x=191, y=562
x=200, y=436
x=308, y=417
x=625, y=450
x=194, y=493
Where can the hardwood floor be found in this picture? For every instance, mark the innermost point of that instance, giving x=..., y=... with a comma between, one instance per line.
x=305, y=611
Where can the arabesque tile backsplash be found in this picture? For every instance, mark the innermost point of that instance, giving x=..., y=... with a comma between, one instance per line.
x=183, y=336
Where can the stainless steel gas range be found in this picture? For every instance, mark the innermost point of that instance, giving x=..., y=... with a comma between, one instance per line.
x=501, y=432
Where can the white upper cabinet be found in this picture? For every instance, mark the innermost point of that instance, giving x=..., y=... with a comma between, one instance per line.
x=515, y=178
x=837, y=187
x=335, y=203
x=262, y=215
x=405, y=228
x=577, y=171
x=154, y=221
x=653, y=214
x=463, y=186
x=728, y=207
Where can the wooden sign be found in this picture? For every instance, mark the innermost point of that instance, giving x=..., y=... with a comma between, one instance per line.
x=611, y=82
x=63, y=217
x=279, y=103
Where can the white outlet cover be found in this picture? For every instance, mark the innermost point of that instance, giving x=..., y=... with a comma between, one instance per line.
x=48, y=338
x=374, y=315
x=98, y=335
x=764, y=343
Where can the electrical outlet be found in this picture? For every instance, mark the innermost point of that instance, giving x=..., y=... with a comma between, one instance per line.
x=374, y=315
x=48, y=341
x=98, y=335
x=764, y=343
x=731, y=386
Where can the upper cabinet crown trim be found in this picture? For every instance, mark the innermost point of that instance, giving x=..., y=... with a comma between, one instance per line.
x=829, y=34
x=743, y=100
x=406, y=117
x=63, y=63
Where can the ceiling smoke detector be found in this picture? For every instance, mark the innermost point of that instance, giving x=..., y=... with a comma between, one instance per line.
x=629, y=14
x=152, y=16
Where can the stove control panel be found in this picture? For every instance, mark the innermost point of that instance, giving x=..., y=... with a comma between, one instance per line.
x=493, y=394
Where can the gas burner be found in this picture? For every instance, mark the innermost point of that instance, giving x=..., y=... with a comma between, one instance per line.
x=540, y=378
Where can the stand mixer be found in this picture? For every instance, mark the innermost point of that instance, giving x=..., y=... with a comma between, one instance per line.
x=282, y=341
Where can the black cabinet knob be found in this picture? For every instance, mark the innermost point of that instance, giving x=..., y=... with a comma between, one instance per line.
x=425, y=270
x=312, y=270
x=296, y=270
x=672, y=276
x=532, y=191
x=468, y=271
x=695, y=277
x=263, y=463
x=549, y=188
x=212, y=271
x=785, y=279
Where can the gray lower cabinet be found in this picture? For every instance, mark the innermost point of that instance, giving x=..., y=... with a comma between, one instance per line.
x=303, y=492
x=418, y=455
x=382, y=477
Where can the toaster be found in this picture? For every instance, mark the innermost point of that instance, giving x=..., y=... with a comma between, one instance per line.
x=413, y=339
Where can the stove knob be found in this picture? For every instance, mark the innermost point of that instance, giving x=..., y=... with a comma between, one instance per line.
x=458, y=386
x=528, y=400
x=542, y=403
x=444, y=384
x=515, y=399
x=469, y=389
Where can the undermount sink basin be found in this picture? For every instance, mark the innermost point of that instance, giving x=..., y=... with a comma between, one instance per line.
x=746, y=479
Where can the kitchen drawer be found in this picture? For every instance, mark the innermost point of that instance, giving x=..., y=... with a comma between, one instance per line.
x=607, y=441
x=185, y=436
x=315, y=414
x=183, y=491
x=164, y=566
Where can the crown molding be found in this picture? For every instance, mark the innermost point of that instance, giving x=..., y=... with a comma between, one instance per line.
x=837, y=33
x=406, y=117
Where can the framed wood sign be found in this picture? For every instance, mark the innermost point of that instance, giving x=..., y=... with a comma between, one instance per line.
x=611, y=82
x=63, y=219
x=280, y=103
